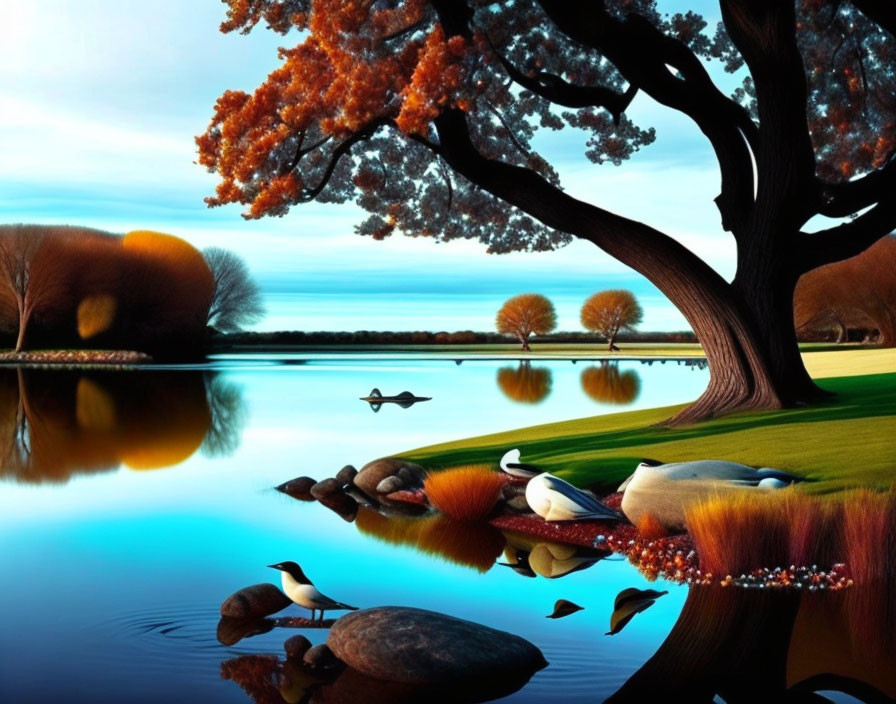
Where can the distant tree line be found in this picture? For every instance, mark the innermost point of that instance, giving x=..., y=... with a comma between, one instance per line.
x=461, y=337
x=74, y=286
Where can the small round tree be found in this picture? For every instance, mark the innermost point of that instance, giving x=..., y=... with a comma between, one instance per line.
x=609, y=312
x=527, y=314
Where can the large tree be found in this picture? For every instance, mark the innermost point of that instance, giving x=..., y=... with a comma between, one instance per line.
x=423, y=113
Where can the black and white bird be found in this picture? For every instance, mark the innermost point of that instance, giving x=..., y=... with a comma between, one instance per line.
x=300, y=589
x=510, y=463
x=556, y=500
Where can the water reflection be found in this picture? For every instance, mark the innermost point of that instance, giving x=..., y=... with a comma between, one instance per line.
x=56, y=424
x=475, y=545
x=604, y=383
x=760, y=645
x=525, y=384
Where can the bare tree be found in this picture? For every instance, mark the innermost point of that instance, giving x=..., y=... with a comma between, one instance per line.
x=237, y=298
x=29, y=271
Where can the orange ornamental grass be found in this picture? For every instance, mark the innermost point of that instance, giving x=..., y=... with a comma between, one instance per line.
x=467, y=493
x=741, y=532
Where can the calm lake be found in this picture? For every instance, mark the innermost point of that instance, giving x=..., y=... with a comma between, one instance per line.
x=132, y=503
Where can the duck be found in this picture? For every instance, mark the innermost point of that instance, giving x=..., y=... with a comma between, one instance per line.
x=557, y=500
x=510, y=464
x=302, y=591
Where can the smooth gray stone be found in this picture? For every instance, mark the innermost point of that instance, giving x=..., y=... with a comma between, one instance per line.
x=415, y=646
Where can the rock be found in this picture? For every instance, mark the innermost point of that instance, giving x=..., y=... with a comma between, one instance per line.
x=518, y=504
x=373, y=473
x=298, y=488
x=342, y=504
x=423, y=647
x=412, y=479
x=326, y=487
x=346, y=475
x=509, y=491
x=296, y=647
x=665, y=492
x=320, y=657
x=390, y=484
x=233, y=630
x=252, y=602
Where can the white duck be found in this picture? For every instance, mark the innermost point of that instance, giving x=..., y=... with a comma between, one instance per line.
x=556, y=500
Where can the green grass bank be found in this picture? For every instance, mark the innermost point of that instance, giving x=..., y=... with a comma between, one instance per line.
x=846, y=442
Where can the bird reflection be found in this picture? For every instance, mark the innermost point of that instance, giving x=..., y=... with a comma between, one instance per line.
x=604, y=383
x=58, y=423
x=525, y=384
x=531, y=556
x=629, y=603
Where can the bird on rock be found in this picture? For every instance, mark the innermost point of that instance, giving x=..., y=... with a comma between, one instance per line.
x=510, y=463
x=556, y=500
x=302, y=591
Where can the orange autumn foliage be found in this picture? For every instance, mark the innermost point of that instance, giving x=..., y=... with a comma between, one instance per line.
x=62, y=285
x=467, y=493
x=855, y=293
x=525, y=315
x=525, y=384
x=606, y=384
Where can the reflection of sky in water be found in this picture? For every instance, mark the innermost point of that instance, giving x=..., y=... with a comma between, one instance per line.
x=94, y=569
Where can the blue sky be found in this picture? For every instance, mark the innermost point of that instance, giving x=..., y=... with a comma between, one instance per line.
x=100, y=103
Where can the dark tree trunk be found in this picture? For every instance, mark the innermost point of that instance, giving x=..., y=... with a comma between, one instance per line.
x=524, y=340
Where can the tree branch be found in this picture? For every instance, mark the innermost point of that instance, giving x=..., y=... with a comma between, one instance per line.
x=641, y=247
x=764, y=31
x=838, y=200
x=309, y=194
x=555, y=89
x=643, y=54
x=849, y=239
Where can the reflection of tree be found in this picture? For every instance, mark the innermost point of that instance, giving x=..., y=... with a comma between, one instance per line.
x=228, y=416
x=54, y=424
x=606, y=384
x=525, y=384
x=753, y=645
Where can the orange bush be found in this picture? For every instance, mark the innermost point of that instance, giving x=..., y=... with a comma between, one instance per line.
x=466, y=493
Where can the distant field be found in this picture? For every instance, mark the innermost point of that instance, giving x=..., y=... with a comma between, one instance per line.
x=846, y=442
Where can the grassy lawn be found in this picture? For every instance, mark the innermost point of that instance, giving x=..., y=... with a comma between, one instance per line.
x=847, y=442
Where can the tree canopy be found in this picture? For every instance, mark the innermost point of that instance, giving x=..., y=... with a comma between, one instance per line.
x=611, y=311
x=423, y=113
x=525, y=315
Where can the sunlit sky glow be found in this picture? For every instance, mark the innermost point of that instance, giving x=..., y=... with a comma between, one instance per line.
x=101, y=101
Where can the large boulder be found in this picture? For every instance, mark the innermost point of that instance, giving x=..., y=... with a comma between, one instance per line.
x=372, y=474
x=666, y=491
x=415, y=646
